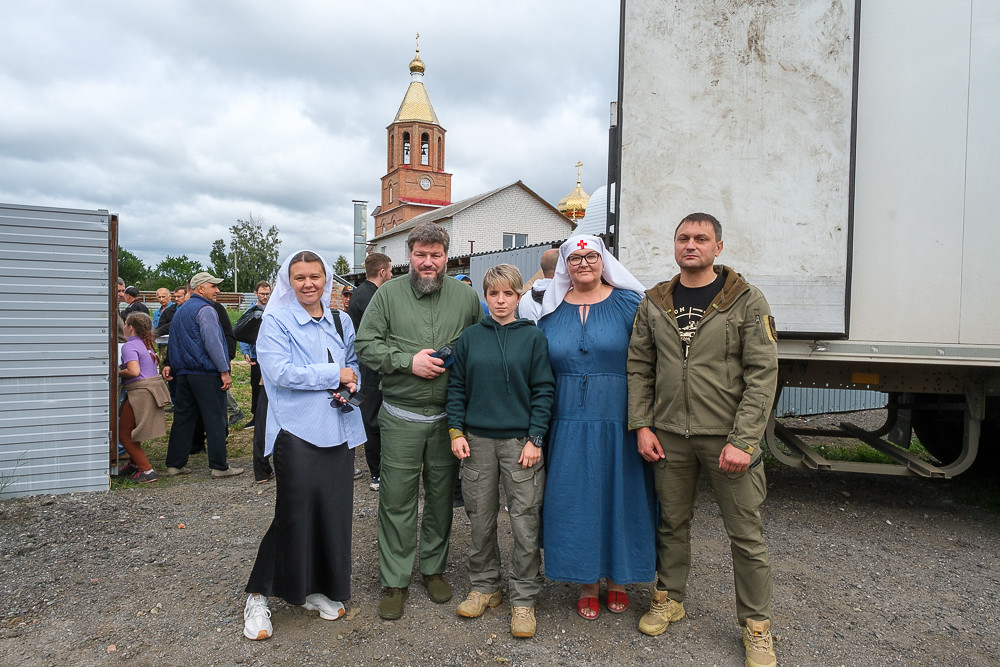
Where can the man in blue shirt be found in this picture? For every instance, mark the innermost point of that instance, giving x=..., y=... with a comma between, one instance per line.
x=163, y=296
x=200, y=362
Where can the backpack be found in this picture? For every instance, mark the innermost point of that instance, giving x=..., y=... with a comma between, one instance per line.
x=248, y=326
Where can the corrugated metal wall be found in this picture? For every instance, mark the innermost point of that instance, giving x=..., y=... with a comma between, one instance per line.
x=525, y=258
x=798, y=401
x=55, y=297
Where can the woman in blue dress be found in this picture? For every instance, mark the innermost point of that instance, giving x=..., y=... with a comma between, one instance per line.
x=599, y=509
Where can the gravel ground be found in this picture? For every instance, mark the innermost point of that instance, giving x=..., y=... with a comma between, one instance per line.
x=868, y=571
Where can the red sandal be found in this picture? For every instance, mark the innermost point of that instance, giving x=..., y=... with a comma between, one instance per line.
x=588, y=604
x=617, y=598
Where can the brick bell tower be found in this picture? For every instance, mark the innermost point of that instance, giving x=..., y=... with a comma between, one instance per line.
x=415, y=181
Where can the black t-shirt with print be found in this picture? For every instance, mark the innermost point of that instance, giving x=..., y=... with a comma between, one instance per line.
x=690, y=304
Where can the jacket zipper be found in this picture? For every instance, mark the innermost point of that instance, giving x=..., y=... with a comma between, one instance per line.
x=725, y=358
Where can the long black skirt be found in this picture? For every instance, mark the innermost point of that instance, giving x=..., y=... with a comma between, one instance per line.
x=307, y=549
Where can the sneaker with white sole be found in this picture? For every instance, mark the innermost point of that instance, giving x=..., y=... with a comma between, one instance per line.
x=257, y=618
x=144, y=476
x=329, y=610
x=375, y=483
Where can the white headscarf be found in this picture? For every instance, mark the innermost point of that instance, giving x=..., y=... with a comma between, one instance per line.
x=283, y=294
x=614, y=273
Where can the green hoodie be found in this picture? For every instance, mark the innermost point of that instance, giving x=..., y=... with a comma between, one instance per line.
x=501, y=384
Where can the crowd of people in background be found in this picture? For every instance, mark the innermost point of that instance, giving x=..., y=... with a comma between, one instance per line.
x=594, y=405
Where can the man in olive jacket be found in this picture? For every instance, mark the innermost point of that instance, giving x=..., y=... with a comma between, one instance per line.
x=407, y=320
x=702, y=371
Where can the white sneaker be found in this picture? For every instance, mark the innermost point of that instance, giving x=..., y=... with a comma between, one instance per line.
x=328, y=609
x=257, y=618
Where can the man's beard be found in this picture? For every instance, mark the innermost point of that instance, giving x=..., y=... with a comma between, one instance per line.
x=426, y=285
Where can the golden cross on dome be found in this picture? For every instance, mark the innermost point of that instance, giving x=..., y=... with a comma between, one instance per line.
x=418, y=42
x=578, y=165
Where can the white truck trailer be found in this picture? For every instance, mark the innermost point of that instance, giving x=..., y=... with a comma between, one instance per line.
x=851, y=149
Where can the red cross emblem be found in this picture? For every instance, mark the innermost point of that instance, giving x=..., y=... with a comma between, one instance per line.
x=581, y=244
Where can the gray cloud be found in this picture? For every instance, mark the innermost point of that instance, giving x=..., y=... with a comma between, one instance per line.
x=182, y=117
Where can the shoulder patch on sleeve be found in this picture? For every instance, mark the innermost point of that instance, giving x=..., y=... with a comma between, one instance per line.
x=772, y=332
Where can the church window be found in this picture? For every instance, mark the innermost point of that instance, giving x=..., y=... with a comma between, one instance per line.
x=440, y=155
x=392, y=150
x=390, y=194
x=406, y=148
x=425, y=148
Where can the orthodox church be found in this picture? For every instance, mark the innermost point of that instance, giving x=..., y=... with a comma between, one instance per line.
x=417, y=189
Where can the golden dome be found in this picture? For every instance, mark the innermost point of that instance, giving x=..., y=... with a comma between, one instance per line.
x=574, y=205
x=416, y=104
x=417, y=65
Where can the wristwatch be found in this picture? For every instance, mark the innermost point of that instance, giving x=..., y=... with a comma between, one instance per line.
x=536, y=440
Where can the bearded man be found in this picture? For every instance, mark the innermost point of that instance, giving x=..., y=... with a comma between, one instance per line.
x=407, y=320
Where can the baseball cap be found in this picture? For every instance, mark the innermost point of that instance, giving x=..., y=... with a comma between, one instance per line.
x=132, y=291
x=204, y=277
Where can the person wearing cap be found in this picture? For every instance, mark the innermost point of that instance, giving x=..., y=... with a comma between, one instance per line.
x=198, y=358
x=131, y=297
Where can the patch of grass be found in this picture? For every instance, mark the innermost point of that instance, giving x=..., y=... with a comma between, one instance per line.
x=859, y=452
x=240, y=442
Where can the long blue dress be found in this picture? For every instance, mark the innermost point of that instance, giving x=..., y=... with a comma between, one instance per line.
x=599, y=513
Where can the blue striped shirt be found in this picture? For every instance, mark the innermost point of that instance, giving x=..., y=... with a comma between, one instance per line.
x=292, y=353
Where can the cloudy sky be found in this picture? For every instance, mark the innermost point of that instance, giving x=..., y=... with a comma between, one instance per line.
x=183, y=116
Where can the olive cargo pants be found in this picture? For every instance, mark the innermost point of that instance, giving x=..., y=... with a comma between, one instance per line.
x=739, y=496
x=411, y=451
x=493, y=462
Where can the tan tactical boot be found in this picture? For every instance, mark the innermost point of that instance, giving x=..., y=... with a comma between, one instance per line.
x=662, y=613
x=522, y=621
x=476, y=603
x=758, y=643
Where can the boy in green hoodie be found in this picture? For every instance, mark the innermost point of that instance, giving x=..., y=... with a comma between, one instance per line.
x=500, y=394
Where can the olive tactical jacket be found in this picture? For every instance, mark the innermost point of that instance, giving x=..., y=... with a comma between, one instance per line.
x=727, y=383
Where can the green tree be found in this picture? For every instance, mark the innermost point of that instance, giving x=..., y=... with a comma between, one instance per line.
x=341, y=266
x=253, y=251
x=131, y=269
x=222, y=265
x=174, y=271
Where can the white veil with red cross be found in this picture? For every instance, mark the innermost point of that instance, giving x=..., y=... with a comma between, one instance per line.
x=615, y=274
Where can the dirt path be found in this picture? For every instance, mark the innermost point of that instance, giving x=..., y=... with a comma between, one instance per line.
x=868, y=571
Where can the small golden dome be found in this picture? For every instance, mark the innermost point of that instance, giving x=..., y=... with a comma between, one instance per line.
x=574, y=205
x=417, y=65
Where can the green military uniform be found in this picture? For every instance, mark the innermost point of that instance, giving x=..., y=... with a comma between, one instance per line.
x=720, y=391
x=399, y=322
